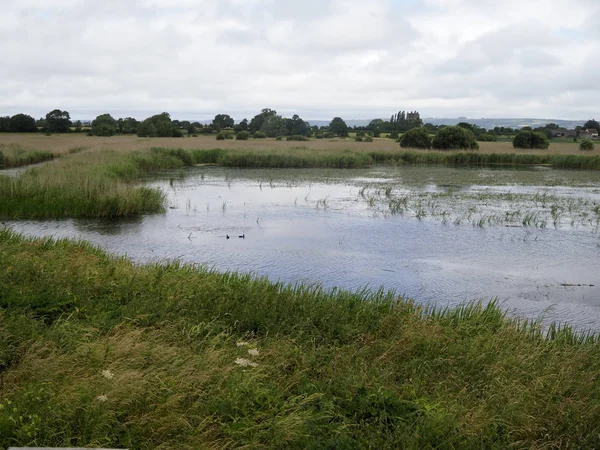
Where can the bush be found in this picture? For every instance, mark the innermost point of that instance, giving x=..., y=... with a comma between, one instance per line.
x=360, y=134
x=319, y=135
x=368, y=139
x=228, y=134
x=329, y=135
x=296, y=137
x=242, y=136
x=531, y=140
x=393, y=135
x=279, y=138
x=416, y=138
x=454, y=138
x=487, y=137
x=220, y=136
x=259, y=135
x=358, y=139
x=586, y=145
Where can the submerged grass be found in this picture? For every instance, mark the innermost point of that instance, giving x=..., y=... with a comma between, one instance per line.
x=96, y=351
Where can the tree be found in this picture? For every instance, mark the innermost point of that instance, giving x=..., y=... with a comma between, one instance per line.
x=4, y=124
x=242, y=126
x=58, y=121
x=586, y=145
x=297, y=127
x=222, y=121
x=104, y=125
x=530, y=139
x=22, y=123
x=338, y=127
x=454, y=138
x=591, y=124
x=78, y=125
x=159, y=125
x=257, y=121
x=416, y=138
x=128, y=125
x=274, y=126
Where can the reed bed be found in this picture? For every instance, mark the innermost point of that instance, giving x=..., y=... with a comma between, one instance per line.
x=96, y=351
x=13, y=155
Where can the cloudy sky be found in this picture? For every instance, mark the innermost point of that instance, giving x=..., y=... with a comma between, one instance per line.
x=317, y=58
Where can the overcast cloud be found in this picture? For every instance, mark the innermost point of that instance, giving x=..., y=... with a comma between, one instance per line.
x=317, y=58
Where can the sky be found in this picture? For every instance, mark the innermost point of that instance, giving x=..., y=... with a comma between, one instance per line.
x=357, y=59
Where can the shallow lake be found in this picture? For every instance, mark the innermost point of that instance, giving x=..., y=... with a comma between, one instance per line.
x=529, y=238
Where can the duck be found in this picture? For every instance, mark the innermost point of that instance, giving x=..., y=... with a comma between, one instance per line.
x=227, y=236
x=242, y=236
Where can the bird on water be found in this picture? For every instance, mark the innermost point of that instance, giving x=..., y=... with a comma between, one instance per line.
x=227, y=236
x=243, y=236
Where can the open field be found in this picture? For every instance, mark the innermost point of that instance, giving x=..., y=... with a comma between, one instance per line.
x=96, y=351
x=61, y=144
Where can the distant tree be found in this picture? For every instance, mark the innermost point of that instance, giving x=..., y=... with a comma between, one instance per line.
x=338, y=127
x=591, y=124
x=128, y=125
x=78, y=126
x=525, y=129
x=530, y=140
x=545, y=131
x=58, y=121
x=487, y=137
x=257, y=121
x=454, y=138
x=104, y=125
x=274, y=126
x=222, y=121
x=4, y=124
x=242, y=126
x=159, y=125
x=22, y=123
x=41, y=124
x=242, y=135
x=431, y=129
x=416, y=138
x=586, y=145
x=297, y=127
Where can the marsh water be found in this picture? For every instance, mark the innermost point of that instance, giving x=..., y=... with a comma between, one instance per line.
x=528, y=238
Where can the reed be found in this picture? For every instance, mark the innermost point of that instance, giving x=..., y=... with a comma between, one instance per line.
x=95, y=350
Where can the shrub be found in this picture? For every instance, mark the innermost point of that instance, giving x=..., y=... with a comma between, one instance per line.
x=296, y=137
x=228, y=135
x=416, y=138
x=393, y=135
x=329, y=135
x=487, y=137
x=279, y=138
x=368, y=139
x=242, y=136
x=586, y=145
x=454, y=138
x=319, y=135
x=259, y=135
x=358, y=139
x=530, y=139
x=220, y=136
x=360, y=134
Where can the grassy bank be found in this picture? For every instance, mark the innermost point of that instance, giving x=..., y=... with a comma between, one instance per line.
x=303, y=157
x=14, y=155
x=103, y=184
x=95, y=351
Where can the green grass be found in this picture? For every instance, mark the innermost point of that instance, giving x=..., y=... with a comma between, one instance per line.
x=13, y=155
x=104, y=184
x=97, y=351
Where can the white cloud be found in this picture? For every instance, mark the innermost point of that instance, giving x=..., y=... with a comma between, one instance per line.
x=318, y=58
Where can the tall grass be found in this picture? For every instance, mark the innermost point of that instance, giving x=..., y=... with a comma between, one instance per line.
x=13, y=155
x=95, y=351
x=83, y=185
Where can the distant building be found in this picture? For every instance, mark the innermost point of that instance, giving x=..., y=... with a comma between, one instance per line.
x=590, y=133
x=563, y=133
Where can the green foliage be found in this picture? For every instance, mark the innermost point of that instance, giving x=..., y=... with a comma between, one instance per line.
x=592, y=124
x=259, y=135
x=393, y=135
x=273, y=126
x=257, y=121
x=338, y=127
x=242, y=136
x=58, y=121
x=16, y=156
x=297, y=127
x=104, y=125
x=586, y=145
x=159, y=125
x=4, y=124
x=358, y=139
x=222, y=121
x=22, y=123
x=530, y=140
x=368, y=139
x=220, y=136
x=416, y=138
x=454, y=138
x=96, y=350
x=127, y=125
x=487, y=137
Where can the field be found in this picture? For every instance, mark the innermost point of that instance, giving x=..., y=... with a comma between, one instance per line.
x=60, y=144
x=98, y=351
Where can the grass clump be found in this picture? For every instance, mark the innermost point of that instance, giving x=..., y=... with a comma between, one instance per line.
x=99, y=185
x=13, y=155
x=97, y=351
